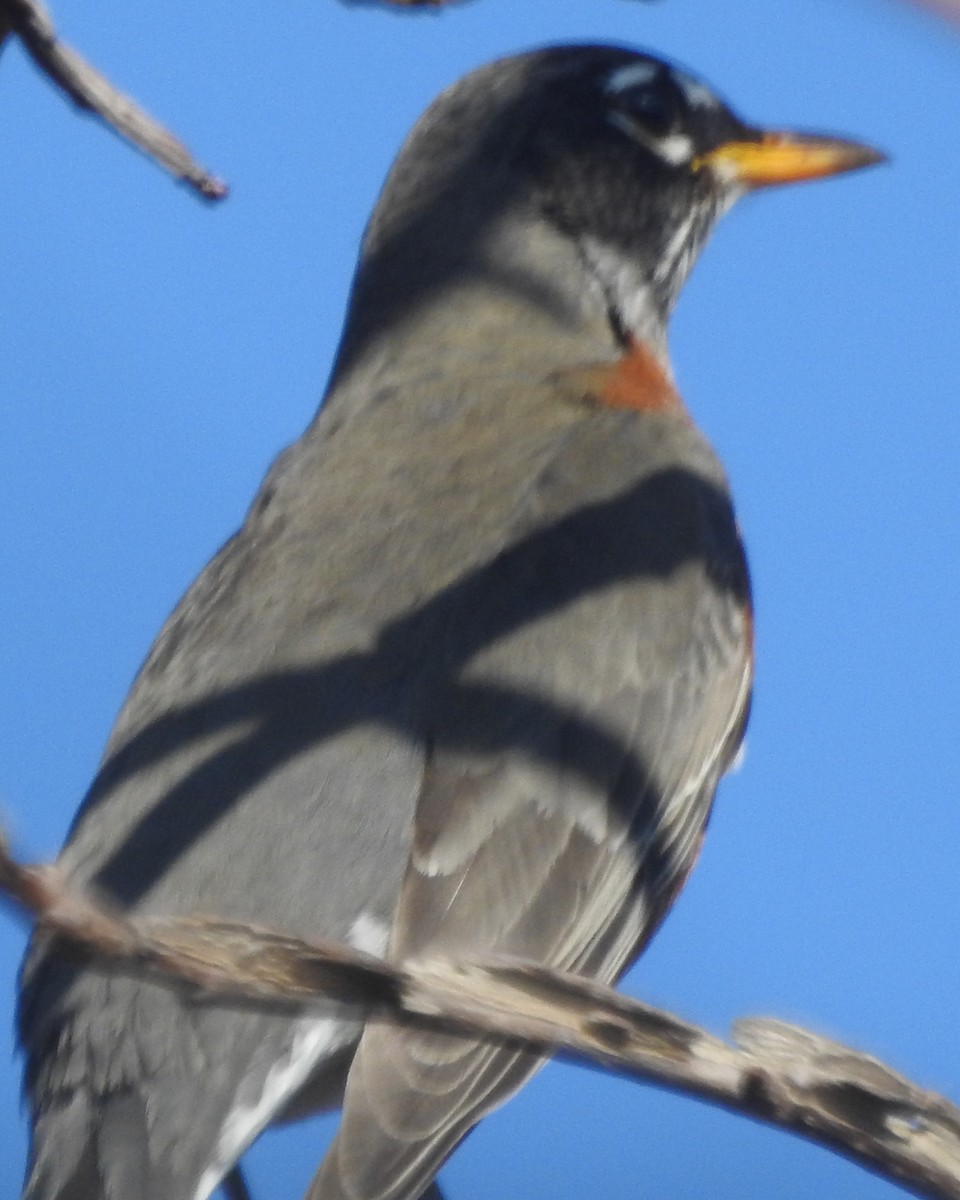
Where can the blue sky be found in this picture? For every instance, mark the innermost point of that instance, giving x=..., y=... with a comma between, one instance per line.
x=157, y=353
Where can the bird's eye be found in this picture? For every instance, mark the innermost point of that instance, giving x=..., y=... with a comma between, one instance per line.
x=653, y=108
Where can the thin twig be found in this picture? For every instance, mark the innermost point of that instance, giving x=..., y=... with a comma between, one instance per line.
x=83, y=84
x=776, y=1073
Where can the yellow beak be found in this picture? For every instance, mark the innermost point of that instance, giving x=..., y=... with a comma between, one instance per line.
x=786, y=158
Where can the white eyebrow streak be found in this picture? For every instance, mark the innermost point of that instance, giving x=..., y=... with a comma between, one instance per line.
x=697, y=94
x=631, y=75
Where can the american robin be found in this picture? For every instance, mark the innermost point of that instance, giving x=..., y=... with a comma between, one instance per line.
x=466, y=680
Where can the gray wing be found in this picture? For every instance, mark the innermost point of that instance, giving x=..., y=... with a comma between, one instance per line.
x=568, y=782
x=263, y=768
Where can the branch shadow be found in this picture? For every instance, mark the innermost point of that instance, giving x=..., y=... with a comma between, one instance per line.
x=619, y=539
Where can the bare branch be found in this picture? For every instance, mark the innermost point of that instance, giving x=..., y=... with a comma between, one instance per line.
x=776, y=1073
x=90, y=90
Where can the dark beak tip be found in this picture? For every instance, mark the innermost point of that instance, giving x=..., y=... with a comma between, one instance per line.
x=866, y=156
x=850, y=155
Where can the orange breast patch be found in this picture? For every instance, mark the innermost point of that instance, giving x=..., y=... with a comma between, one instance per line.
x=636, y=380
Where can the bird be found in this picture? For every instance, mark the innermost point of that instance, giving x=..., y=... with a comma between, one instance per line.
x=465, y=681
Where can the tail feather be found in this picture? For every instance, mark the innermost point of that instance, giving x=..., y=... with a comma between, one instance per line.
x=84, y=1152
x=63, y=1159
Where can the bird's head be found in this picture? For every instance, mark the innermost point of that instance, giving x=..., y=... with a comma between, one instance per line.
x=585, y=178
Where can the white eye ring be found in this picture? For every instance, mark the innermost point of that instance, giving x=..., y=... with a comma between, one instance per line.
x=675, y=149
